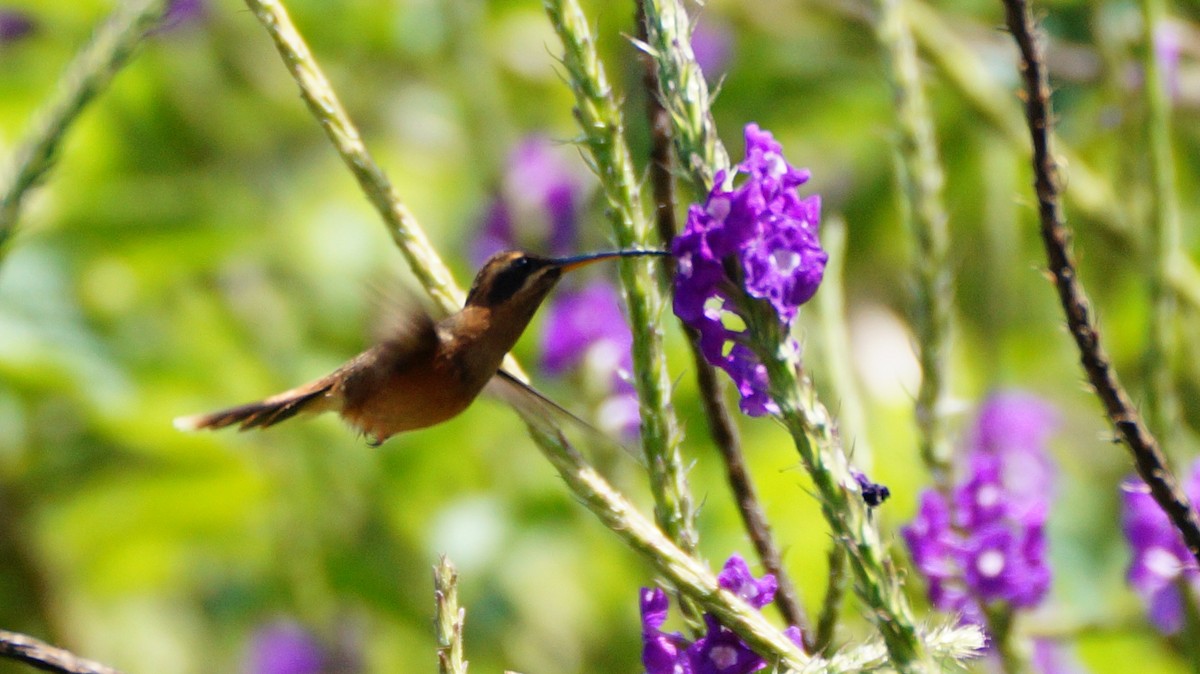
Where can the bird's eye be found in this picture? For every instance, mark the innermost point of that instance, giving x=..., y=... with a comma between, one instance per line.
x=510, y=280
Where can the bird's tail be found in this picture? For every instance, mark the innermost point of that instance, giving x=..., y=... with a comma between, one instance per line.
x=317, y=396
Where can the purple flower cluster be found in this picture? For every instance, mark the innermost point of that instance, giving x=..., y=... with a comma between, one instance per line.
x=719, y=651
x=1160, y=558
x=760, y=236
x=987, y=542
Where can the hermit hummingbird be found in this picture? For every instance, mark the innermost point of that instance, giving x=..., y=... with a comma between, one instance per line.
x=425, y=371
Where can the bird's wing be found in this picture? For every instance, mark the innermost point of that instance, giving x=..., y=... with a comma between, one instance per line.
x=536, y=407
x=544, y=413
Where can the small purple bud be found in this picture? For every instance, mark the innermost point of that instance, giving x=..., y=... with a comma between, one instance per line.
x=1168, y=45
x=15, y=25
x=496, y=232
x=285, y=648
x=712, y=45
x=181, y=13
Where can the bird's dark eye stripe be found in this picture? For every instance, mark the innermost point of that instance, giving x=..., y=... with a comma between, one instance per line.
x=509, y=281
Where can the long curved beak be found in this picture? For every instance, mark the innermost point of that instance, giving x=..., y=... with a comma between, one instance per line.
x=577, y=261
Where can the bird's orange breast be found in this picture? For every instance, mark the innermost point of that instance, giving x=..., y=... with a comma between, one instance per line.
x=384, y=401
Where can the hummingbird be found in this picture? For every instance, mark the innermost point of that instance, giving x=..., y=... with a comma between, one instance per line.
x=425, y=371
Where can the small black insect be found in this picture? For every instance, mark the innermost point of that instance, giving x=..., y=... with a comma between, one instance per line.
x=873, y=493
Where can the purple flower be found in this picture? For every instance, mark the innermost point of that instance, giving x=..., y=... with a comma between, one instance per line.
x=1051, y=657
x=752, y=382
x=761, y=236
x=712, y=44
x=986, y=544
x=538, y=205
x=1007, y=564
x=586, y=324
x=660, y=651
x=1168, y=45
x=585, y=327
x=180, y=11
x=719, y=650
x=1160, y=558
x=1015, y=426
x=736, y=578
x=15, y=25
x=936, y=550
x=285, y=647
x=496, y=232
x=1014, y=422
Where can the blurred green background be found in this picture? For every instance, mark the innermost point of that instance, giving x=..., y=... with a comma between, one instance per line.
x=200, y=244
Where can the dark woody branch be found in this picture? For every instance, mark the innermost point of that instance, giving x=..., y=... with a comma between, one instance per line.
x=43, y=656
x=1147, y=456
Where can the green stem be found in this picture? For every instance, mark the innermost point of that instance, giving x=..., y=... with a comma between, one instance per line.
x=689, y=575
x=325, y=106
x=1014, y=657
x=448, y=619
x=85, y=78
x=1161, y=404
x=695, y=136
x=876, y=580
x=721, y=426
x=923, y=180
x=684, y=93
x=835, y=340
x=961, y=67
x=831, y=606
x=835, y=345
x=1091, y=195
x=1187, y=641
x=603, y=134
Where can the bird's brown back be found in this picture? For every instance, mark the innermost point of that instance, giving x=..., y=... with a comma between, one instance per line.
x=403, y=383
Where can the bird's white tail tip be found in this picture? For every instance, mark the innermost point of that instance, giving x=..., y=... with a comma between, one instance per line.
x=188, y=423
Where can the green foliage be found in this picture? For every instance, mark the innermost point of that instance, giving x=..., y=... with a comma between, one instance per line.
x=199, y=243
